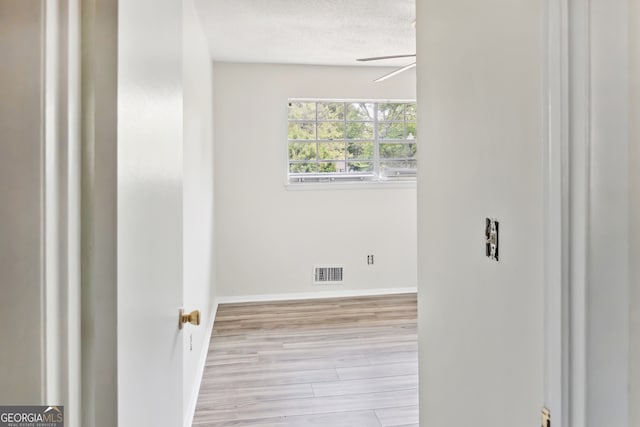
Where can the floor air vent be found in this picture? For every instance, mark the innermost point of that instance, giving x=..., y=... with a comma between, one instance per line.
x=328, y=275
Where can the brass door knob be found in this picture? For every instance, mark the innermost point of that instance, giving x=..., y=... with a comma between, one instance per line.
x=193, y=318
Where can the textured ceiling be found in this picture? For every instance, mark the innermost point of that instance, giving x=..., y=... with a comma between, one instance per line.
x=328, y=32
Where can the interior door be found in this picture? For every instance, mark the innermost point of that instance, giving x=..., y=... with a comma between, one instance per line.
x=149, y=213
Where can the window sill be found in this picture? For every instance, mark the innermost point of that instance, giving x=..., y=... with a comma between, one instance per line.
x=361, y=185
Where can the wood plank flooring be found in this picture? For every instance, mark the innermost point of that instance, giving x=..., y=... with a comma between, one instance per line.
x=345, y=362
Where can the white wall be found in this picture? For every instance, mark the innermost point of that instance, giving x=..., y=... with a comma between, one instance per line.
x=199, y=274
x=480, y=91
x=634, y=179
x=21, y=206
x=268, y=238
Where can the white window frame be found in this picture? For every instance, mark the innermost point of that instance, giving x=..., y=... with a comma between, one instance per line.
x=348, y=180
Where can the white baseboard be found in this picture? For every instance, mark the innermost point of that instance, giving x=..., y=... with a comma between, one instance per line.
x=315, y=295
x=191, y=408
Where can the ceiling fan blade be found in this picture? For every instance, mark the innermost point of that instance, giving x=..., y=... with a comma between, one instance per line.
x=395, y=72
x=377, y=58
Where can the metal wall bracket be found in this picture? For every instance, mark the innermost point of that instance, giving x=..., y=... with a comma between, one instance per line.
x=491, y=238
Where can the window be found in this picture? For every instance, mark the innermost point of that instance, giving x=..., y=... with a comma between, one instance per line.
x=332, y=141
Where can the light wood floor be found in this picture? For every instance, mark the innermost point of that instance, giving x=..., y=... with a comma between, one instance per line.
x=348, y=362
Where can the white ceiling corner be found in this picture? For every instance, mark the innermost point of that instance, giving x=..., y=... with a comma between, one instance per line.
x=324, y=32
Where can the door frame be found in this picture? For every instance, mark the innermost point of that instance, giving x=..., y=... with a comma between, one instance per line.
x=99, y=76
x=587, y=212
x=80, y=281
x=566, y=193
x=61, y=329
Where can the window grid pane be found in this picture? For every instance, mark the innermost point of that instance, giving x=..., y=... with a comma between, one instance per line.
x=346, y=138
